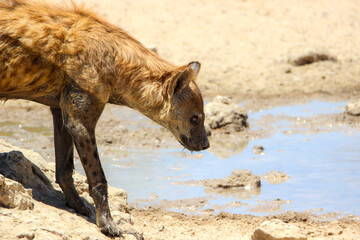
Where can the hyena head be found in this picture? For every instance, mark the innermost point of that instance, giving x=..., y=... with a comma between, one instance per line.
x=185, y=109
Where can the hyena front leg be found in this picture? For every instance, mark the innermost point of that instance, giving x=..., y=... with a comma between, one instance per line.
x=64, y=158
x=80, y=114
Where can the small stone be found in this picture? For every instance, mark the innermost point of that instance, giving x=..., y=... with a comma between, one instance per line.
x=353, y=108
x=258, y=149
x=153, y=49
x=277, y=230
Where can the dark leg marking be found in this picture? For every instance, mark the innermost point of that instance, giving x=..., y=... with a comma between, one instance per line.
x=96, y=155
x=85, y=161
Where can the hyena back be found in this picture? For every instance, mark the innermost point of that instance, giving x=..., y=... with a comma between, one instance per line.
x=74, y=62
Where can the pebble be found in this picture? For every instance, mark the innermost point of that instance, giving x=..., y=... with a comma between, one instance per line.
x=353, y=108
x=258, y=149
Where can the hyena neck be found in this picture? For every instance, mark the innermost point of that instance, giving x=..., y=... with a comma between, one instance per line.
x=141, y=79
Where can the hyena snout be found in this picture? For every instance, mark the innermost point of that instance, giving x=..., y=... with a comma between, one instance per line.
x=196, y=142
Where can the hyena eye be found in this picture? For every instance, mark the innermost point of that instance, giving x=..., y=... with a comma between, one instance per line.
x=194, y=120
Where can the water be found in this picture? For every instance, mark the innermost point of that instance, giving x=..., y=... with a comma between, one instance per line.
x=324, y=169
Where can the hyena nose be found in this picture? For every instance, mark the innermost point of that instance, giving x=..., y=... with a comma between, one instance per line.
x=205, y=144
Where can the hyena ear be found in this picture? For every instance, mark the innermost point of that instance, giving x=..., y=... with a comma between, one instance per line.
x=183, y=78
x=195, y=66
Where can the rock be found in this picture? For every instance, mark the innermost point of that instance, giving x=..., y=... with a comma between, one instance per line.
x=207, y=130
x=304, y=56
x=277, y=230
x=222, y=112
x=258, y=149
x=29, y=236
x=39, y=175
x=118, y=200
x=14, y=165
x=353, y=108
x=276, y=177
x=238, y=178
x=14, y=195
x=52, y=219
x=288, y=70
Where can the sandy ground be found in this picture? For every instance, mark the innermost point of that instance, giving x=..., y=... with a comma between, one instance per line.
x=250, y=51
x=245, y=46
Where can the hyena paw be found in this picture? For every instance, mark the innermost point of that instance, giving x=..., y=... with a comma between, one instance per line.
x=80, y=207
x=85, y=210
x=109, y=228
x=129, y=229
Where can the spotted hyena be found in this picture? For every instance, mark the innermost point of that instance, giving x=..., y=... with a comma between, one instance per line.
x=74, y=62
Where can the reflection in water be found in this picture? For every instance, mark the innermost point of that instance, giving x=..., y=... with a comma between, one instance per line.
x=6, y=133
x=223, y=145
x=238, y=193
x=266, y=206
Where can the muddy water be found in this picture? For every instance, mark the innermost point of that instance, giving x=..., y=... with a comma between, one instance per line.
x=324, y=169
x=323, y=163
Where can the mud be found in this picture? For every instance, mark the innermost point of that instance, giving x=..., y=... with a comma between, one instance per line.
x=275, y=177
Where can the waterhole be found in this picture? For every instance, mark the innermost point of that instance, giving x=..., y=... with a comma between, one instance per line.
x=321, y=160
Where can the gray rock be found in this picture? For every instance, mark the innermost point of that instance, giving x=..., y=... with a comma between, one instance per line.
x=39, y=176
x=277, y=230
x=222, y=112
x=14, y=165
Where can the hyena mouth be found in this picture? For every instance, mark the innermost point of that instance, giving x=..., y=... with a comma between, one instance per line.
x=183, y=139
x=187, y=143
